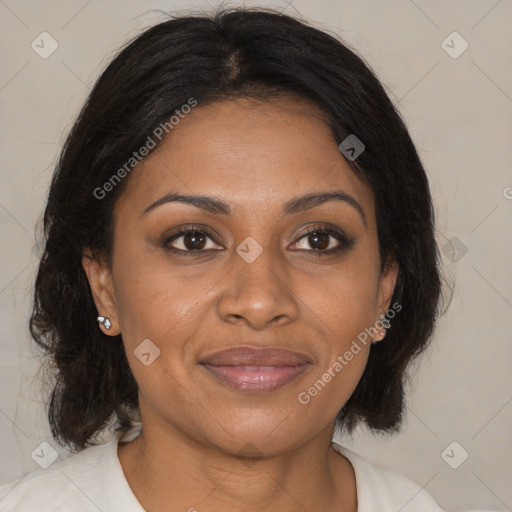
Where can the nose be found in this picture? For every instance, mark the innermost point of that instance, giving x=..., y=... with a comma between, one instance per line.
x=258, y=294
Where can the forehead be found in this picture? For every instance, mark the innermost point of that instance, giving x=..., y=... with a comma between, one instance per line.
x=253, y=154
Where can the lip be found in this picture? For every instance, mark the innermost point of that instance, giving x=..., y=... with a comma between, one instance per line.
x=256, y=369
x=252, y=356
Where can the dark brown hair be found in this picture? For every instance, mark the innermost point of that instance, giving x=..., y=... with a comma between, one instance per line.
x=254, y=53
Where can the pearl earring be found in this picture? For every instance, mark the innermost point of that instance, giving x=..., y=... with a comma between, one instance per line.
x=103, y=320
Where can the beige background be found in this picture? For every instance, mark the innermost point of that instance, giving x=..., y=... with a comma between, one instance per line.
x=459, y=113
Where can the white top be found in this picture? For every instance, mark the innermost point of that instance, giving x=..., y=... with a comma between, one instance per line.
x=93, y=480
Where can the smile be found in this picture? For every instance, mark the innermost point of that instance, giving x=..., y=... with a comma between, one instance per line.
x=256, y=378
x=256, y=369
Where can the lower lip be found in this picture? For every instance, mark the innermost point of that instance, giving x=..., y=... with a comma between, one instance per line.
x=256, y=378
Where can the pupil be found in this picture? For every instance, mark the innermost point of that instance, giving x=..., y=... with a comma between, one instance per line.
x=194, y=241
x=319, y=240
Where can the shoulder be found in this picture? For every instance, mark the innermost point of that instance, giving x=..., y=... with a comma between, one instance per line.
x=51, y=488
x=86, y=481
x=384, y=490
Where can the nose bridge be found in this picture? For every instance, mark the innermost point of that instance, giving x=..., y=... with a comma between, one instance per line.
x=258, y=292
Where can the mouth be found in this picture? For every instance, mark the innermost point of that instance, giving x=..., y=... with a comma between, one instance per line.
x=256, y=369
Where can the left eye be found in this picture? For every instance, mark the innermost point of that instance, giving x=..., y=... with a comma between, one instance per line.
x=319, y=240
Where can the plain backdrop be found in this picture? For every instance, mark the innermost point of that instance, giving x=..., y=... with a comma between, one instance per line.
x=458, y=107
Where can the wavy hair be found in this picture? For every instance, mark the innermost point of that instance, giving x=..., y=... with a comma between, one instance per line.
x=231, y=53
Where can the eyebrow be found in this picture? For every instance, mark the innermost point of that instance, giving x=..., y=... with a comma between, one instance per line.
x=295, y=205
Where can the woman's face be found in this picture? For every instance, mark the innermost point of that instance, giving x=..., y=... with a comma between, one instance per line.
x=252, y=277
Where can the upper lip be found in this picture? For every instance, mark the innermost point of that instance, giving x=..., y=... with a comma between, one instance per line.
x=261, y=356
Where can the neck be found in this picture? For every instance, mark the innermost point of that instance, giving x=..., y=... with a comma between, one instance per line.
x=172, y=468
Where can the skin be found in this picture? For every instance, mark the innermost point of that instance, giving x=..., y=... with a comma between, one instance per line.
x=197, y=432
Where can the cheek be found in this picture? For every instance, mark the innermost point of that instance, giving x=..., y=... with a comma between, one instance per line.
x=344, y=299
x=160, y=309
x=344, y=346
x=331, y=388
x=152, y=295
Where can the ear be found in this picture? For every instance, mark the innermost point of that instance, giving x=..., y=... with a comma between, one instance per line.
x=102, y=288
x=387, y=284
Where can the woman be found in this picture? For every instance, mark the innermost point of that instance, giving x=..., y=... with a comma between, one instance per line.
x=240, y=259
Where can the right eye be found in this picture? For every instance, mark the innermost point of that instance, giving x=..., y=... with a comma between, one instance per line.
x=190, y=240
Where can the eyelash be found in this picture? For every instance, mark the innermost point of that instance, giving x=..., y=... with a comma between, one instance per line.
x=345, y=242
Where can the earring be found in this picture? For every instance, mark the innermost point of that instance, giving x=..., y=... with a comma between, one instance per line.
x=385, y=322
x=103, y=320
x=385, y=325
